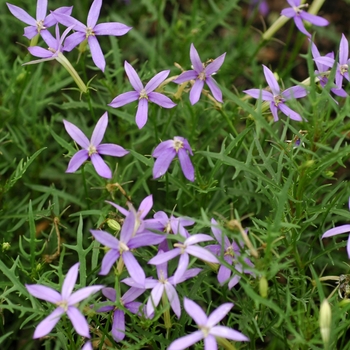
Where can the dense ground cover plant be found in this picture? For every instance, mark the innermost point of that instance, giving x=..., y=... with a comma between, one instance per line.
x=206, y=218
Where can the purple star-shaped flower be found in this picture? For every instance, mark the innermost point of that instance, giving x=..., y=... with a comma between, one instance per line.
x=164, y=284
x=42, y=22
x=93, y=149
x=342, y=66
x=122, y=247
x=277, y=97
x=143, y=94
x=127, y=300
x=208, y=330
x=90, y=32
x=201, y=73
x=322, y=69
x=338, y=231
x=66, y=303
x=185, y=249
x=166, y=151
x=298, y=14
x=231, y=252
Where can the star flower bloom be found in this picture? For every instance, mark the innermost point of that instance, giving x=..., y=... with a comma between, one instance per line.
x=342, y=66
x=208, y=330
x=121, y=248
x=164, y=284
x=166, y=151
x=93, y=149
x=127, y=300
x=231, y=251
x=277, y=98
x=201, y=74
x=42, y=22
x=298, y=14
x=338, y=231
x=66, y=303
x=322, y=71
x=143, y=94
x=90, y=32
x=185, y=249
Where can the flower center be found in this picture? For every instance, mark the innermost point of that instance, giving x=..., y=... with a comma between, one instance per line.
x=277, y=100
x=230, y=251
x=143, y=94
x=89, y=32
x=162, y=279
x=205, y=330
x=40, y=25
x=123, y=247
x=92, y=150
x=201, y=76
x=298, y=9
x=63, y=304
x=343, y=68
x=178, y=144
x=181, y=246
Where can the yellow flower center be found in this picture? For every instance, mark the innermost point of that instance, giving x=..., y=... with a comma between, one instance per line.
x=92, y=150
x=343, y=68
x=181, y=246
x=178, y=144
x=40, y=25
x=89, y=32
x=143, y=94
x=63, y=304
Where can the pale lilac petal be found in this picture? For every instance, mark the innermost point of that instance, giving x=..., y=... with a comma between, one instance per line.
x=44, y=293
x=196, y=90
x=223, y=274
x=327, y=61
x=79, y=322
x=210, y=343
x=48, y=323
x=118, y=326
x=110, y=149
x=83, y=293
x=217, y=315
x=109, y=293
x=336, y=231
x=96, y=53
x=128, y=227
x=21, y=14
x=108, y=261
x=69, y=21
x=87, y=346
x=195, y=311
x=76, y=134
x=73, y=40
x=100, y=166
x=50, y=20
x=316, y=20
x=142, y=113
x=154, y=298
x=274, y=111
x=214, y=248
x=289, y=112
x=146, y=239
x=99, y=130
x=186, y=341
x=182, y=267
x=300, y=25
x=145, y=206
x=30, y=32
x=257, y=93
x=149, y=284
x=69, y=281
x=166, y=256
x=214, y=66
x=105, y=238
x=294, y=92
x=271, y=81
x=173, y=299
x=162, y=163
x=133, y=77
x=216, y=231
x=111, y=28
x=156, y=81
x=186, y=76
x=121, y=209
x=161, y=100
x=294, y=3
x=186, y=165
x=343, y=50
x=94, y=13
x=215, y=90
x=348, y=247
x=132, y=294
x=134, y=307
x=162, y=147
x=288, y=12
x=41, y=9
x=38, y=51
x=188, y=274
x=134, y=268
x=228, y=333
x=49, y=39
x=195, y=60
x=77, y=160
x=125, y=98
x=202, y=253
x=234, y=280
x=199, y=237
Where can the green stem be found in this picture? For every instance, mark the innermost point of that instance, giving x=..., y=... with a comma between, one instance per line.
x=85, y=186
x=167, y=320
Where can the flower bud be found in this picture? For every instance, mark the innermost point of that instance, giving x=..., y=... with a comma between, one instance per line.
x=6, y=246
x=325, y=321
x=113, y=224
x=263, y=287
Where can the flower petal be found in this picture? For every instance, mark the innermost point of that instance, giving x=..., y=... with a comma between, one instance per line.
x=186, y=341
x=336, y=231
x=196, y=90
x=48, y=323
x=294, y=92
x=162, y=163
x=195, y=60
x=210, y=342
x=343, y=50
x=289, y=112
x=182, y=267
x=44, y=293
x=271, y=81
x=21, y=14
x=214, y=66
x=316, y=20
x=96, y=53
x=110, y=149
x=274, y=111
x=132, y=294
x=76, y=134
x=79, y=322
x=300, y=25
x=128, y=229
x=234, y=280
x=195, y=311
x=154, y=298
x=73, y=40
x=100, y=129
x=186, y=76
x=162, y=147
x=202, y=253
x=258, y=93
x=223, y=274
x=111, y=28
x=94, y=13
x=146, y=239
x=118, y=326
x=134, y=268
x=186, y=165
x=41, y=9
x=109, y=293
x=215, y=90
x=100, y=166
x=83, y=293
x=108, y=261
x=125, y=98
x=77, y=160
x=173, y=299
x=166, y=256
x=161, y=100
x=69, y=281
x=106, y=239
x=142, y=113
x=217, y=315
x=156, y=81
x=199, y=237
x=228, y=333
x=133, y=77
x=288, y=12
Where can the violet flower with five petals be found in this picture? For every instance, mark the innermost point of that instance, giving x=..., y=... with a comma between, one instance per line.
x=66, y=303
x=298, y=14
x=93, y=149
x=42, y=22
x=185, y=249
x=208, y=330
x=143, y=94
x=201, y=74
x=90, y=32
x=277, y=97
x=338, y=231
x=166, y=151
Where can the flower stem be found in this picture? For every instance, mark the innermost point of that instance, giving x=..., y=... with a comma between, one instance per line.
x=167, y=320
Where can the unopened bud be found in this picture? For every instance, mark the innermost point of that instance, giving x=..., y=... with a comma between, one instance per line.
x=325, y=321
x=263, y=287
x=113, y=224
x=6, y=246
